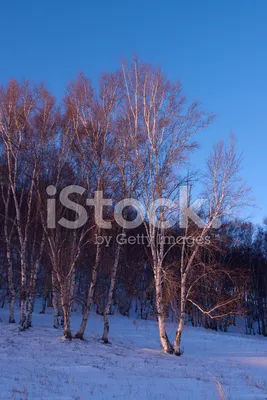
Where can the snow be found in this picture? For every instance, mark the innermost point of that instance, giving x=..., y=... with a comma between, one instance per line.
x=39, y=364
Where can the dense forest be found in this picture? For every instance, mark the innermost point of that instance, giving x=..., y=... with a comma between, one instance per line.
x=71, y=238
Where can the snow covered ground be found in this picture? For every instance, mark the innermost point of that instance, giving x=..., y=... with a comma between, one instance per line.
x=38, y=364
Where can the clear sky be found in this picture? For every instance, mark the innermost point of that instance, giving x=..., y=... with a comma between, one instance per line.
x=218, y=49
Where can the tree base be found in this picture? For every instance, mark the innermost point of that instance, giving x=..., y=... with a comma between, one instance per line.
x=78, y=336
x=105, y=341
x=178, y=352
x=67, y=335
x=169, y=350
x=22, y=328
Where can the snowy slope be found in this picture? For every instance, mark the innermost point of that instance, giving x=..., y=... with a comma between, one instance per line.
x=39, y=364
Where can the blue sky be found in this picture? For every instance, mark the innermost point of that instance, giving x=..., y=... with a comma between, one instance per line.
x=216, y=48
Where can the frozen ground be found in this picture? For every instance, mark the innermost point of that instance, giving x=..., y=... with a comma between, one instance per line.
x=38, y=364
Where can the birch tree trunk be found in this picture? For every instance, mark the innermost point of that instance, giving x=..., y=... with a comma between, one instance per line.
x=164, y=340
x=90, y=296
x=23, y=294
x=8, y=236
x=33, y=279
x=72, y=289
x=55, y=299
x=66, y=308
x=66, y=325
x=177, y=340
x=110, y=294
x=32, y=292
x=11, y=286
x=31, y=299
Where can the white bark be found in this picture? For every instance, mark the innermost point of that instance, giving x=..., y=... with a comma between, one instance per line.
x=177, y=340
x=66, y=308
x=164, y=340
x=90, y=296
x=55, y=299
x=23, y=319
x=8, y=236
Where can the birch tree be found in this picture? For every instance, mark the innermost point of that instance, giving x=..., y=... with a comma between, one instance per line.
x=22, y=113
x=93, y=117
x=9, y=225
x=163, y=131
x=66, y=239
x=125, y=184
x=226, y=193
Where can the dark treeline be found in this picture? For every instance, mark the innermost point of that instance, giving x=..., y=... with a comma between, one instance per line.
x=130, y=138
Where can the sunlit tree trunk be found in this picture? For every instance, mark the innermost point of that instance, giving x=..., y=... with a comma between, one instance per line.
x=90, y=296
x=164, y=340
x=177, y=340
x=66, y=308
